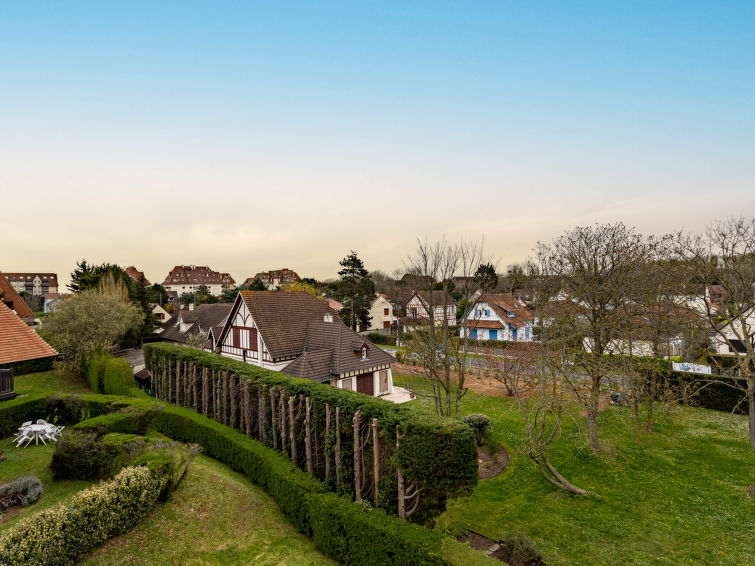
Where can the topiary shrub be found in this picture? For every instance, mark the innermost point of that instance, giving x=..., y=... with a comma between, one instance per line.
x=480, y=424
x=21, y=491
x=59, y=535
x=520, y=550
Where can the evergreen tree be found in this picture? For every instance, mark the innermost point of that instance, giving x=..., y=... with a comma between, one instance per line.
x=486, y=277
x=356, y=291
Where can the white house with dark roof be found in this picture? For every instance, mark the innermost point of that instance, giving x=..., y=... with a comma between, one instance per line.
x=422, y=303
x=187, y=323
x=300, y=335
x=188, y=278
x=498, y=316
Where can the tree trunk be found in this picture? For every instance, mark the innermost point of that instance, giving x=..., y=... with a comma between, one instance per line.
x=751, y=411
x=282, y=412
x=327, y=435
x=338, y=448
x=308, y=434
x=248, y=407
x=234, y=395
x=651, y=401
x=261, y=395
x=376, y=460
x=400, y=477
x=178, y=382
x=226, y=399
x=273, y=401
x=205, y=391
x=357, y=459
x=195, y=387
x=292, y=424
x=593, y=404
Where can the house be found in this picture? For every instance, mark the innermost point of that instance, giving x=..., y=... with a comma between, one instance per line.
x=300, y=335
x=160, y=313
x=274, y=279
x=33, y=283
x=227, y=282
x=415, y=282
x=188, y=278
x=381, y=313
x=421, y=303
x=186, y=324
x=136, y=275
x=498, y=316
x=18, y=344
x=333, y=304
x=730, y=338
x=52, y=300
x=10, y=298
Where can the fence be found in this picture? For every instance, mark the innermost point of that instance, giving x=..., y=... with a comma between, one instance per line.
x=6, y=384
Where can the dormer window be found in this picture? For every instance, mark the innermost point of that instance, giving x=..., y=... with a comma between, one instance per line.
x=364, y=352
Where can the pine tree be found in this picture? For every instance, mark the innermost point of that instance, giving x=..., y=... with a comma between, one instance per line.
x=356, y=291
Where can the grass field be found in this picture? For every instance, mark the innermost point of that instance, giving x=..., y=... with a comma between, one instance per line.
x=674, y=496
x=216, y=516
x=33, y=460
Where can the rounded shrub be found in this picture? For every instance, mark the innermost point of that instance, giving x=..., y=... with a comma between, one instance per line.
x=480, y=424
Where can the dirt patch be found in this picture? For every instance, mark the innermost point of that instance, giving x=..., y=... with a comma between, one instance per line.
x=751, y=490
x=499, y=550
x=491, y=466
x=476, y=382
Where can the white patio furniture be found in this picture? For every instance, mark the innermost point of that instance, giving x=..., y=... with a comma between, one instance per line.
x=40, y=431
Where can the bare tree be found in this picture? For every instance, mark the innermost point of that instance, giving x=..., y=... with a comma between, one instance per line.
x=588, y=272
x=436, y=345
x=722, y=260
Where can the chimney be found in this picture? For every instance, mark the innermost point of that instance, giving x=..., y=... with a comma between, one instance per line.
x=328, y=318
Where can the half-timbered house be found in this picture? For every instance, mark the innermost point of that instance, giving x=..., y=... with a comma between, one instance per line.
x=498, y=316
x=298, y=334
x=422, y=303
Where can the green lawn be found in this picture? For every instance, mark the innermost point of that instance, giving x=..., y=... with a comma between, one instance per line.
x=674, y=496
x=33, y=460
x=216, y=516
x=50, y=381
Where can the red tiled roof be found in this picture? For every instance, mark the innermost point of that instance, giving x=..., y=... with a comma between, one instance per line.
x=18, y=342
x=200, y=274
x=135, y=274
x=471, y=323
x=12, y=299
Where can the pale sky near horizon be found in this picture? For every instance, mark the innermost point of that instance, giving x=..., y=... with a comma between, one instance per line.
x=257, y=135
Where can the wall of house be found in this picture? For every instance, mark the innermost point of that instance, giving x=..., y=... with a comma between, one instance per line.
x=415, y=304
x=377, y=312
x=351, y=384
x=180, y=288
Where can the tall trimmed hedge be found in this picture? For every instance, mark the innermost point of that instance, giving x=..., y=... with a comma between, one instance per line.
x=438, y=454
x=109, y=375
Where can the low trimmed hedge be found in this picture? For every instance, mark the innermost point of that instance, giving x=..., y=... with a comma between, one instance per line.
x=354, y=533
x=59, y=535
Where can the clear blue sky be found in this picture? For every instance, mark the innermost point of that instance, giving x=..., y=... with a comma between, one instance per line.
x=256, y=135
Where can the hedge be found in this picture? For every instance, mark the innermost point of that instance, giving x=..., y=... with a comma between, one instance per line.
x=350, y=532
x=437, y=453
x=109, y=375
x=61, y=534
x=355, y=533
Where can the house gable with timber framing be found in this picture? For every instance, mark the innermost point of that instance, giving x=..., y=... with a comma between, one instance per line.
x=299, y=335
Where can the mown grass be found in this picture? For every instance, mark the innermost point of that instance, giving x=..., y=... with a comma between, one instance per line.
x=673, y=496
x=216, y=516
x=50, y=381
x=33, y=460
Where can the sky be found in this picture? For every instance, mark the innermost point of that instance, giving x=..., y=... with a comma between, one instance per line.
x=250, y=136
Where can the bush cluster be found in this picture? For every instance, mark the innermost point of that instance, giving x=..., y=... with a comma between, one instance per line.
x=381, y=339
x=109, y=375
x=480, y=424
x=59, y=535
x=21, y=491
